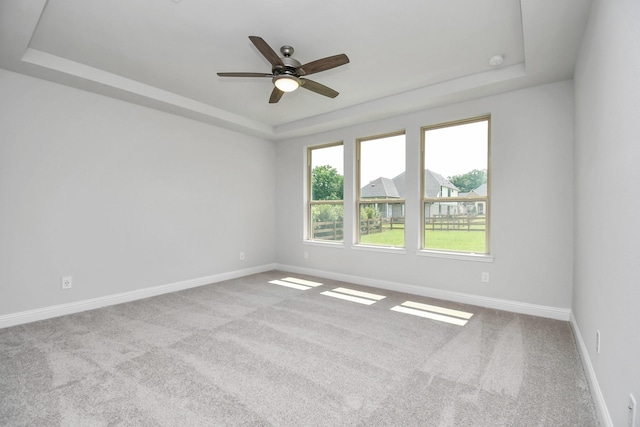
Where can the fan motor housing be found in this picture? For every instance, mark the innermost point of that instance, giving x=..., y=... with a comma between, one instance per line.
x=290, y=65
x=290, y=62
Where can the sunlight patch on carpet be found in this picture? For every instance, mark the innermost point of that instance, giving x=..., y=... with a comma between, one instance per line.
x=433, y=312
x=295, y=283
x=353, y=292
x=437, y=309
x=290, y=285
x=302, y=282
x=353, y=296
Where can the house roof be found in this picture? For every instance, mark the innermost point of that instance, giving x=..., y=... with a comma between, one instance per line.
x=395, y=188
x=400, y=183
x=481, y=190
x=380, y=188
x=433, y=183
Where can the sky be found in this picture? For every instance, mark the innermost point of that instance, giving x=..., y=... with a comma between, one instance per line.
x=456, y=150
x=329, y=156
x=449, y=151
x=382, y=157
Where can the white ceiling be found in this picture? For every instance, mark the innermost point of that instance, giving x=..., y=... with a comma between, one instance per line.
x=405, y=55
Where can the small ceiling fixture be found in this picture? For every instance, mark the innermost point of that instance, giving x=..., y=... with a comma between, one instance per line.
x=496, y=60
x=286, y=82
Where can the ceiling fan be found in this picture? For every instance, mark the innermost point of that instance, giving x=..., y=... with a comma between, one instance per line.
x=287, y=73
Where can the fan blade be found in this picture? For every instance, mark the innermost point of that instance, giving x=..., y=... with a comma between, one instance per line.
x=266, y=51
x=276, y=94
x=245, y=75
x=318, y=88
x=322, y=64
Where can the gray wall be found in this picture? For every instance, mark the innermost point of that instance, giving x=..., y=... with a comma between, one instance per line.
x=607, y=159
x=121, y=197
x=532, y=201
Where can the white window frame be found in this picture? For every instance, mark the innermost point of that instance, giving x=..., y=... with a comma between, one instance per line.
x=360, y=201
x=309, y=235
x=451, y=253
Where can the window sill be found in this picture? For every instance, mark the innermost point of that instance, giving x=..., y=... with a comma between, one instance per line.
x=387, y=249
x=456, y=255
x=325, y=243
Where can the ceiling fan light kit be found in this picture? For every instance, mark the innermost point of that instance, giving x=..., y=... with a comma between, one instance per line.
x=286, y=83
x=287, y=72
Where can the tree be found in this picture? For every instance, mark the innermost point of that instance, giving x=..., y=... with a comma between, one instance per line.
x=326, y=183
x=327, y=213
x=470, y=180
x=369, y=212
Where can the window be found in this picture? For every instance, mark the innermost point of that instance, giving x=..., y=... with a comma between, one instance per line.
x=325, y=189
x=381, y=180
x=455, y=186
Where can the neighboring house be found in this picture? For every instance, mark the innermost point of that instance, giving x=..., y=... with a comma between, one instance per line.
x=436, y=186
x=479, y=207
x=383, y=188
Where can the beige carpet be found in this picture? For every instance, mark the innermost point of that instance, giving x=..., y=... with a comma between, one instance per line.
x=249, y=352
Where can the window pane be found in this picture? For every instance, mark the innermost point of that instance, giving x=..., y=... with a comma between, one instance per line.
x=456, y=166
x=382, y=164
x=382, y=190
x=327, y=221
x=457, y=154
x=326, y=173
x=446, y=228
x=382, y=224
x=326, y=184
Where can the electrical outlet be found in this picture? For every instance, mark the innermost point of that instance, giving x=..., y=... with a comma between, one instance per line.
x=484, y=277
x=632, y=411
x=241, y=256
x=597, y=341
x=67, y=283
x=306, y=255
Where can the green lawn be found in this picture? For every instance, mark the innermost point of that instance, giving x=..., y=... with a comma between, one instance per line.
x=464, y=241
x=388, y=237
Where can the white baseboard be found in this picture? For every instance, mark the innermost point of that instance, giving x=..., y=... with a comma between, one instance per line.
x=498, y=304
x=596, y=392
x=91, y=304
x=75, y=307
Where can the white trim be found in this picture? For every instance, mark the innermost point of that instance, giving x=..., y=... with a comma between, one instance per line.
x=556, y=313
x=596, y=392
x=456, y=255
x=326, y=243
x=381, y=248
x=91, y=304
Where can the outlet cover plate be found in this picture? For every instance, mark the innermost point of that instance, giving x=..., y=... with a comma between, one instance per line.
x=67, y=282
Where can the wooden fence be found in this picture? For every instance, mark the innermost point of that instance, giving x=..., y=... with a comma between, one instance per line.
x=378, y=225
x=456, y=222
x=333, y=230
x=328, y=230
